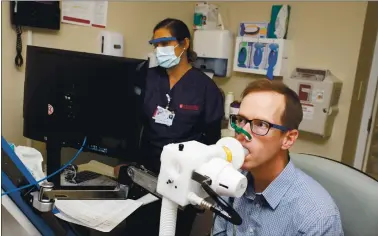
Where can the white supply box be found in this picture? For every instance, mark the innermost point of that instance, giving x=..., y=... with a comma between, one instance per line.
x=111, y=43
x=214, y=51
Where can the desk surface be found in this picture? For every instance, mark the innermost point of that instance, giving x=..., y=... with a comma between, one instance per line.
x=93, y=166
x=99, y=181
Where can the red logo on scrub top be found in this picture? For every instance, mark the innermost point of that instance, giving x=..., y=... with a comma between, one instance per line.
x=50, y=109
x=189, y=107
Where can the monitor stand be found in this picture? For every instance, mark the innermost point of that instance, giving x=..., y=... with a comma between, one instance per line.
x=54, y=189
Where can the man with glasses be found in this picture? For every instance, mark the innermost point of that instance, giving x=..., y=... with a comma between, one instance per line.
x=280, y=199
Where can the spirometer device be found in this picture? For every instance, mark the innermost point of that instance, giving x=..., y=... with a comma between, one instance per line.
x=319, y=92
x=214, y=51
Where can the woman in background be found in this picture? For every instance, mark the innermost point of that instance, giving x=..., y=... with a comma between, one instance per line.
x=181, y=104
x=178, y=89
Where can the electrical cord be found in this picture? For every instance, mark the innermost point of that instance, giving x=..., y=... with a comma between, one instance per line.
x=49, y=176
x=223, y=208
x=19, y=61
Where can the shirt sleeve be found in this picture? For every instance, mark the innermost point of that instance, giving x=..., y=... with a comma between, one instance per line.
x=219, y=227
x=220, y=224
x=330, y=225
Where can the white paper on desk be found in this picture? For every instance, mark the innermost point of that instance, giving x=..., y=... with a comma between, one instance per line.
x=102, y=215
x=147, y=199
x=67, y=218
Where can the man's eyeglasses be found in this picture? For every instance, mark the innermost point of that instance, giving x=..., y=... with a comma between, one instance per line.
x=258, y=127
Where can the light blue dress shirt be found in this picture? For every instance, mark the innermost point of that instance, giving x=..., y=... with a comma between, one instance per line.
x=293, y=204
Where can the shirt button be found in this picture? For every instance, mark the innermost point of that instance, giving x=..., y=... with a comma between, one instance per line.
x=257, y=205
x=251, y=230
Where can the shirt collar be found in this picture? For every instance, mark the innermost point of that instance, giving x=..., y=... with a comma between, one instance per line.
x=274, y=193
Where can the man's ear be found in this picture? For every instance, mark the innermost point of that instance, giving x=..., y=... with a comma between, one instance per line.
x=289, y=139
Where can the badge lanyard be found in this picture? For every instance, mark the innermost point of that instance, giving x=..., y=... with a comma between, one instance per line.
x=164, y=115
x=169, y=101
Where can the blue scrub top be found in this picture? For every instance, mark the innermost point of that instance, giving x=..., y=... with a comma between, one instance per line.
x=196, y=101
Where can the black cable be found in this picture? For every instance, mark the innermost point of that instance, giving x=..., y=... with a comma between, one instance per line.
x=19, y=61
x=223, y=208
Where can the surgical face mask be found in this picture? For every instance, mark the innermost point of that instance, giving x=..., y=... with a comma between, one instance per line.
x=166, y=56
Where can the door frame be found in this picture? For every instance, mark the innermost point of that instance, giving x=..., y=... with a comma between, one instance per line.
x=367, y=114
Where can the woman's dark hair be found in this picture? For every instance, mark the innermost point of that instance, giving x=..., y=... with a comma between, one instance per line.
x=180, y=31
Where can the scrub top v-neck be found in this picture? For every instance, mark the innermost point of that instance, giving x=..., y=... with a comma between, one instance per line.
x=195, y=100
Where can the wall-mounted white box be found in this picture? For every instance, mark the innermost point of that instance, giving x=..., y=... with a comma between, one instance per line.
x=253, y=55
x=111, y=43
x=319, y=93
x=214, y=51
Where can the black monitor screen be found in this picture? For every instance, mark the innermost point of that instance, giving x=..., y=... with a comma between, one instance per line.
x=71, y=95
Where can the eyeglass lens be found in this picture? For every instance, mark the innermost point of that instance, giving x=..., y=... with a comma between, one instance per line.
x=258, y=127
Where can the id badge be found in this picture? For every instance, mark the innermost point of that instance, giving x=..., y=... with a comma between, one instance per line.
x=163, y=116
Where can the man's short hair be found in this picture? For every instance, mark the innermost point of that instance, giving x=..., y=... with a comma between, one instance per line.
x=293, y=114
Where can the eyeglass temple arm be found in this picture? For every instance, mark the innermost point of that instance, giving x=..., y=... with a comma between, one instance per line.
x=239, y=130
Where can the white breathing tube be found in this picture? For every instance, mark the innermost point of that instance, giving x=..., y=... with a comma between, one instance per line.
x=168, y=217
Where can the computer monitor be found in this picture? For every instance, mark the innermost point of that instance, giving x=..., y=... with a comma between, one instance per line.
x=70, y=95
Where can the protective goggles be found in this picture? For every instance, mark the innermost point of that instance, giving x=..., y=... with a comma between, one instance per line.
x=159, y=40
